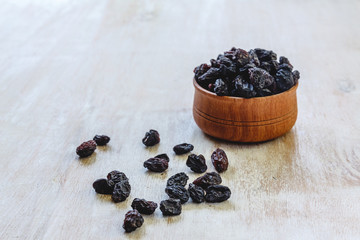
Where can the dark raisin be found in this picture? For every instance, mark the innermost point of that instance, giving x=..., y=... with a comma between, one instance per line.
x=219, y=160
x=196, y=193
x=101, y=186
x=284, y=79
x=156, y=164
x=243, y=88
x=242, y=56
x=212, y=178
x=260, y=78
x=217, y=193
x=178, y=192
x=296, y=76
x=253, y=58
x=101, y=140
x=86, y=148
x=196, y=163
x=210, y=76
x=265, y=55
x=178, y=179
x=200, y=70
x=151, y=138
x=215, y=63
x=170, y=207
x=132, y=221
x=285, y=66
x=116, y=176
x=220, y=88
x=183, y=148
x=223, y=59
x=283, y=60
x=163, y=156
x=121, y=191
x=143, y=206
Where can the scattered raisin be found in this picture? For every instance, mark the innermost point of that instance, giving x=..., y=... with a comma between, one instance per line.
x=219, y=160
x=196, y=163
x=163, y=156
x=143, y=206
x=116, y=176
x=183, y=148
x=133, y=220
x=178, y=179
x=86, y=148
x=212, y=178
x=217, y=193
x=102, y=186
x=170, y=207
x=101, y=140
x=178, y=192
x=156, y=164
x=151, y=138
x=196, y=193
x=121, y=191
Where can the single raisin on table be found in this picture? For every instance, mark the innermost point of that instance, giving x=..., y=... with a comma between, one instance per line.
x=183, y=148
x=219, y=160
x=178, y=192
x=170, y=207
x=163, y=156
x=217, y=193
x=101, y=140
x=121, y=191
x=116, y=176
x=178, y=179
x=143, y=206
x=151, y=138
x=132, y=221
x=196, y=163
x=102, y=186
x=156, y=164
x=208, y=179
x=196, y=193
x=86, y=148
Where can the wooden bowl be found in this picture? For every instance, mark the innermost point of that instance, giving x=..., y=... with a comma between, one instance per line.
x=245, y=119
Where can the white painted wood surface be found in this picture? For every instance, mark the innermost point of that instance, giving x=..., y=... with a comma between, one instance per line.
x=73, y=69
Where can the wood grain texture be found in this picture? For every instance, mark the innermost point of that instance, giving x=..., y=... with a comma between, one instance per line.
x=73, y=69
x=245, y=120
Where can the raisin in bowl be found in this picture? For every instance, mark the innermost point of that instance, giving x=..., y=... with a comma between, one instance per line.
x=246, y=96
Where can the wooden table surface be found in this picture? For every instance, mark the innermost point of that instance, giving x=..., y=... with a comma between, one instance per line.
x=73, y=69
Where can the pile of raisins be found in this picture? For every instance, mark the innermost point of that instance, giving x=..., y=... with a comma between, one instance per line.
x=239, y=73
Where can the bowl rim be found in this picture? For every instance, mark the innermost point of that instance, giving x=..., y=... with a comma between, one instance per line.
x=207, y=92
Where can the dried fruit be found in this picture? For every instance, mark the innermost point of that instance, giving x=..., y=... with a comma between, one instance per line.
x=217, y=193
x=260, y=78
x=101, y=186
x=212, y=178
x=178, y=179
x=143, y=206
x=121, y=191
x=151, y=138
x=132, y=221
x=163, y=156
x=170, y=207
x=156, y=164
x=101, y=140
x=116, y=176
x=220, y=88
x=196, y=163
x=219, y=160
x=284, y=79
x=86, y=148
x=196, y=193
x=183, y=148
x=178, y=192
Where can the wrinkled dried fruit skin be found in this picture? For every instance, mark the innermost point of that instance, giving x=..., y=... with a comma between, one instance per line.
x=101, y=140
x=177, y=192
x=132, y=221
x=101, y=186
x=265, y=55
x=219, y=160
x=163, y=156
x=121, y=191
x=151, y=138
x=217, y=193
x=143, y=206
x=220, y=88
x=284, y=80
x=260, y=78
x=156, y=164
x=212, y=178
x=243, y=88
x=170, y=207
x=178, y=179
x=196, y=163
x=200, y=70
x=183, y=148
x=116, y=176
x=296, y=76
x=196, y=193
x=86, y=148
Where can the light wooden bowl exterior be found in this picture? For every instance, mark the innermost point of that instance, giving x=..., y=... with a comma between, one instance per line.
x=245, y=119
